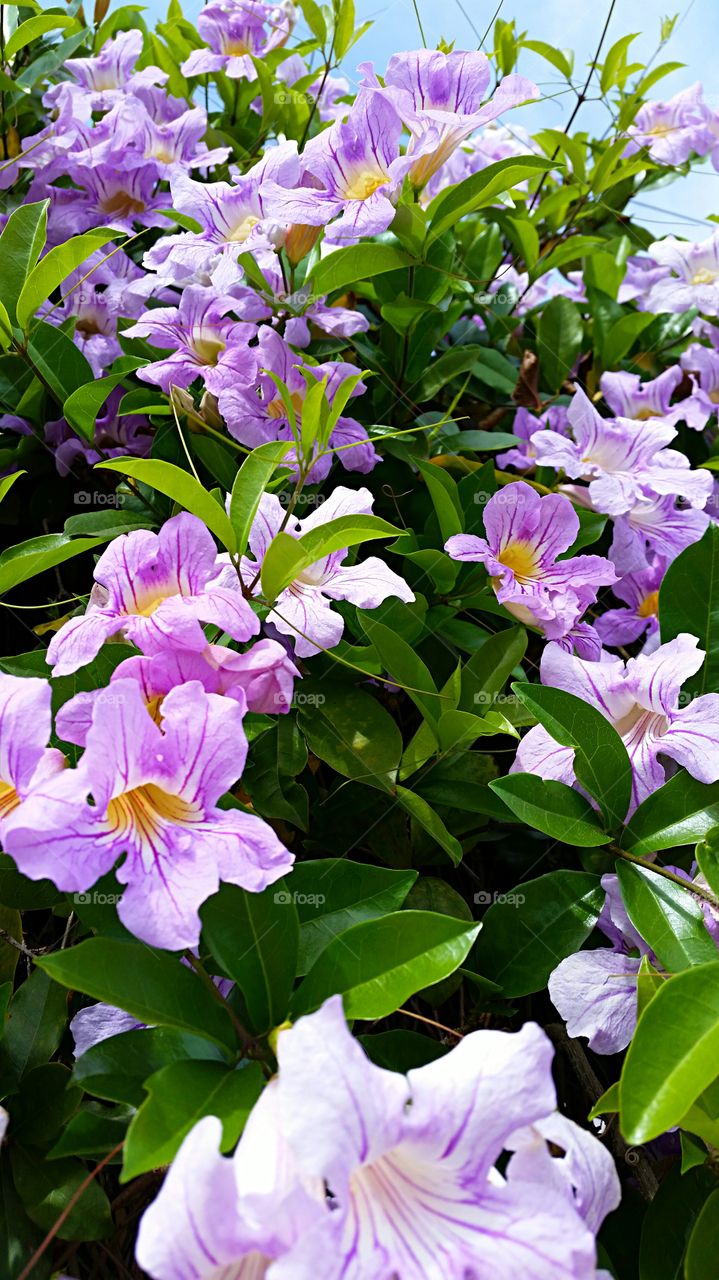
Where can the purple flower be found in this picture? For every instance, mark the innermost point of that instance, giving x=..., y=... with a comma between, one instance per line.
x=171, y=136
x=702, y=365
x=629, y=397
x=99, y=1022
x=410, y=1164
x=157, y=589
x=262, y=679
x=303, y=610
x=256, y=414
x=654, y=526
x=205, y=343
x=107, y=77
x=690, y=275
x=671, y=130
x=640, y=592
x=641, y=699
x=526, y=425
x=114, y=437
x=235, y=34
x=110, y=195
x=151, y=793
x=25, y=727
x=494, y=143
x=233, y=219
x=359, y=169
x=624, y=461
x=525, y=536
x=595, y=992
x=640, y=276
x=94, y=297
x=439, y=97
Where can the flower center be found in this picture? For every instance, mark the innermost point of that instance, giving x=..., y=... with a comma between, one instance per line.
x=364, y=185
x=9, y=798
x=521, y=558
x=276, y=408
x=704, y=275
x=240, y=233
x=660, y=130
x=649, y=607
x=122, y=203
x=235, y=48
x=143, y=812
x=208, y=350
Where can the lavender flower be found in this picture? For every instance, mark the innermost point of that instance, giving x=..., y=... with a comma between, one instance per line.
x=671, y=130
x=150, y=793
x=641, y=699
x=525, y=536
x=25, y=726
x=640, y=593
x=204, y=343
x=654, y=527
x=303, y=610
x=156, y=589
x=690, y=275
x=236, y=34
x=524, y=456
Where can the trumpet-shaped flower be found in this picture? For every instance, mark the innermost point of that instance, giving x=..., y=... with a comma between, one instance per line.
x=624, y=461
x=254, y=418
x=157, y=589
x=105, y=79
x=25, y=725
x=409, y=1165
x=702, y=365
x=640, y=593
x=357, y=172
x=629, y=397
x=524, y=456
x=262, y=679
x=654, y=527
x=691, y=275
x=203, y=340
x=150, y=793
x=236, y=34
x=671, y=130
x=525, y=536
x=439, y=97
x=641, y=700
x=303, y=610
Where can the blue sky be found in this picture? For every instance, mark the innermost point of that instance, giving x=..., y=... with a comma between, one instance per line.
x=680, y=207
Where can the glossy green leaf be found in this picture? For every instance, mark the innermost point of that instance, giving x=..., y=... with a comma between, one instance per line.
x=674, y=1054
x=528, y=931
x=379, y=964
x=56, y=266
x=35, y=1023
x=151, y=985
x=250, y=484
x=681, y=812
x=332, y=894
x=81, y=409
x=421, y=811
x=351, y=731
x=552, y=807
x=49, y=1187
x=283, y=562
x=357, y=262
x=182, y=488
x=668, y=1223
x=668, y=918
x=116, y=1068
x=559, y=340
x=689, y=602
x=404, y=665
x=34, y=29
x=27, y=559
x=601, y=762
x=21, y=244
x=480, y=190
x=700, y=1261
x=178, y=1096
x=255, y=938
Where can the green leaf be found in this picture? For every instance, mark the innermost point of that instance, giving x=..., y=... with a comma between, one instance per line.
x=351, y=731
x=481, y=189
x=379, y=964
x=557, y=57
x=559, y=341
x=689, y=601
x=422, y=812
x=151, y=985
x=7, y=482
x=623, y=335
x=401, y=661
x=314, y=18
x=21, y=244
x=255, y=937
x=49, y=1187
x=357, y=262
x=55, y=267
x=538, y=923
x=487, y=671
x=344, y=28
x=668, y=918
x=601, y=762
x=668, y=1223
x=552, y=807
x=180, y=1095
x=283, y=562
x=81, y=409
x=182, y=488
x=116, y=1069
x=27, y=559
x=673, y=1056
x=445, y=499
x=106, y=524
x=681, y=812
x=250, y=484
x=700, y=1261
x=332, y=894
x=35, y=1024
x=94, y=1131
x=34, y=28
x=57, y=361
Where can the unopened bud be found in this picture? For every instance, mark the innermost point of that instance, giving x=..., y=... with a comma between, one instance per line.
x=299, y=241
